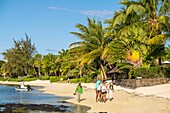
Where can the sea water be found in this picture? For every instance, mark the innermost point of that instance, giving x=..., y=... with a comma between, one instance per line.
x=9, y=95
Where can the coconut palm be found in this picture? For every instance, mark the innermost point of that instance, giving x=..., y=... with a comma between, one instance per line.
x=64, y=65
x=92, y=43
x=131, y=25
x=128, y=38
x=48, y=64
x=157, y=20
x=36, y=63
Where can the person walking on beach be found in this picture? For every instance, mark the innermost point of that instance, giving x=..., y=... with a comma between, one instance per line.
x=111, y=89
x=78, y=91
x=98, y=92
x=103, y=88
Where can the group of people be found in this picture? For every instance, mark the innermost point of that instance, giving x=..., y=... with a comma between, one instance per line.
x=102, y=89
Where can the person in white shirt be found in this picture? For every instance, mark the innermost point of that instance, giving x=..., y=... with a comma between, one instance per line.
x=103, y=89
x=22, y=84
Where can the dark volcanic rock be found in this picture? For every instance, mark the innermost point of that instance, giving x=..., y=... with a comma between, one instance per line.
x=11, y=108
x=62, y=102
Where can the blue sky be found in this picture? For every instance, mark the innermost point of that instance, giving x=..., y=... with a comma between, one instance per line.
x=48, y=22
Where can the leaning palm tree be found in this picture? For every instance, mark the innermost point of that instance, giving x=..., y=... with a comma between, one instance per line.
x=90, y=49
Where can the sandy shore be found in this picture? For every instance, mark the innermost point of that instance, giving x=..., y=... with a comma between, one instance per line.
x=155, y=99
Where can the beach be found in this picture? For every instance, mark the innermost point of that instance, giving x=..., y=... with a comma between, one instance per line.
x=153, y=99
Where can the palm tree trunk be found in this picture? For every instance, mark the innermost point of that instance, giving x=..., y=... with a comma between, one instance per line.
x=80, y=71
x=103, y=71
x=159, y=61
x=39, y=71
x=34, y=70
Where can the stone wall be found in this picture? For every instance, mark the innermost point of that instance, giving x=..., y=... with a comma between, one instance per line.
x=134, y=83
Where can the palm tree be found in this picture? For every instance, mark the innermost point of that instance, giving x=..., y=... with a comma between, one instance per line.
x=128, y=38
x=48, y=64
x=156, y=17
x=167, y=56
x=63, y=62
x=36, y=63
x=131, y=25
x=90, y=49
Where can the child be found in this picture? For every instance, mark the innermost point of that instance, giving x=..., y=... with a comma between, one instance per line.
x=111, y=88
x=79, y=91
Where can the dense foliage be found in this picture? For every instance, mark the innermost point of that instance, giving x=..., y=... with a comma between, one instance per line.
x=17, y=58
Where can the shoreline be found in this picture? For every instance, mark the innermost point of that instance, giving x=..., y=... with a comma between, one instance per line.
x=154, y=99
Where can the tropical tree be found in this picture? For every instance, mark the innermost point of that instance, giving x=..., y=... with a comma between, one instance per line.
x=139, y=31
x=1, y=63
x=167, y=56
x=36, y=64
x=17, y=58
x=90, y=49
x=48, y=64
x=128, y=39
x=154, y=13
x=62, y=62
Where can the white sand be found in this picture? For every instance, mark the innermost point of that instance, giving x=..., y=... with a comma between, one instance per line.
x=155, y=99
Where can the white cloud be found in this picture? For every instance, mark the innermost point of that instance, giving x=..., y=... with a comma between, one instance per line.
x=52, y=50
x=99, y=13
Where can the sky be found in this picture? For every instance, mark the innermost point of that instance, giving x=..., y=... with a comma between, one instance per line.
x=49, y=22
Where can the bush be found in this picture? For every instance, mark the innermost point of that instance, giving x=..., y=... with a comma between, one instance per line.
x=54, y=79
x=88, y=80
x=29, y=79
x=82, y=80
x=15, y=79
x=44, y=78
x=4, y=79
x=166, y=71
x=74, y=80
x=152, y=72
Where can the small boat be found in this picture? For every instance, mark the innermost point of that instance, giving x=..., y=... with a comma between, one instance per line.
x=28, y=88
x=21, y=89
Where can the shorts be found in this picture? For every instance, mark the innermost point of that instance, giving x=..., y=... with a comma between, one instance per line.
x=98, y=91
x=104, y=92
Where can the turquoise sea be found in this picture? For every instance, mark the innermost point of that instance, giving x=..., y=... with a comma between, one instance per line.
x=8, y=95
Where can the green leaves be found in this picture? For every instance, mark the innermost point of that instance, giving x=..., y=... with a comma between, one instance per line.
x=138, y=9
x=18, y=58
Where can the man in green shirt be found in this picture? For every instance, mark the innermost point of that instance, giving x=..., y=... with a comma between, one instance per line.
x=79, y=91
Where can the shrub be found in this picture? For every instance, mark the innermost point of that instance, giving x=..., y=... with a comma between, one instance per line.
x=152, y=72
x=166, y=71
x=14, y=79
x=44, y=78
x=29, y=79
x=88, y=80
x=4, y=79
x=74, y=80
x=54, y=79
x=82, y=80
